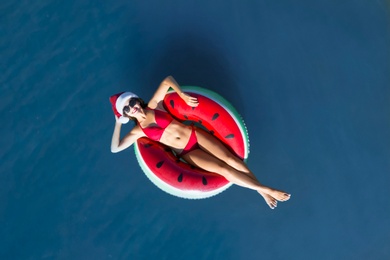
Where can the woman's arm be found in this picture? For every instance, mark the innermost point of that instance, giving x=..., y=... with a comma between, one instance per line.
x=118, y=145
x=170, y=82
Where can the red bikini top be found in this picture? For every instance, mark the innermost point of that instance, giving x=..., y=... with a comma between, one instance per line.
x=163, y=119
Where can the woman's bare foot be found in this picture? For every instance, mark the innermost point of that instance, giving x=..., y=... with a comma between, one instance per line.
x=271, y=201
x=279, y=195
x=271, y=196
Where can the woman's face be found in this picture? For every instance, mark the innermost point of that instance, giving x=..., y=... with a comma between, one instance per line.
x=132, y=107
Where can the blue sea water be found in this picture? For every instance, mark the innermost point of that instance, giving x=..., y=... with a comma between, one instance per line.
x=310, y=78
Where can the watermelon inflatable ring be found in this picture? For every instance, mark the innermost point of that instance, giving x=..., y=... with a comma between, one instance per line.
x=172, y=174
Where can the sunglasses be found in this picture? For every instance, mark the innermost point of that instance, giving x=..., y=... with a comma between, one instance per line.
x=132, y=103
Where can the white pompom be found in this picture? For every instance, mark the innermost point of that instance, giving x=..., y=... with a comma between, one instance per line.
x=124, y=120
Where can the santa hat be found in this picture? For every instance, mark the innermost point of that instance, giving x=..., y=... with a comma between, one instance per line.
x=118, y=102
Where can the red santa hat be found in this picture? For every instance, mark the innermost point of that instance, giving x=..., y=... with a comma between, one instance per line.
x=118, y=102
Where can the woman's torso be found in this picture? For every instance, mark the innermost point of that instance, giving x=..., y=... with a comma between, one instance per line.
x=160, y=126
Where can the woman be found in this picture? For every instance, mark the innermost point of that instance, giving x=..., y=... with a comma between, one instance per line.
x=194, y=145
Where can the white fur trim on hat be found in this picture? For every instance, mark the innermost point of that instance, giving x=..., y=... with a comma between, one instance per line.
x=124, y=120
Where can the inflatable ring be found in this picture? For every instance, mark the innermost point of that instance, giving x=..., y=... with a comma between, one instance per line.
x=174, y=175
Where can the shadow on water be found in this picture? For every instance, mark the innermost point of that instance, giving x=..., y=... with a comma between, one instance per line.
x=192, y=60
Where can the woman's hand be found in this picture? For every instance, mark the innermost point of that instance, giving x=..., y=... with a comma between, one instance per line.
x=117, y=120
x=191, y=101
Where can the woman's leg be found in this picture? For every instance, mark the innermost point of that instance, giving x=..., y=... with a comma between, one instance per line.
x=210, y=163
x=212, y=145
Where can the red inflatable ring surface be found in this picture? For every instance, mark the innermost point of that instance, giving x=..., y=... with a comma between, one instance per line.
x=175, y=176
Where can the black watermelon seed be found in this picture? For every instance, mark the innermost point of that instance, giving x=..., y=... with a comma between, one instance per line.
x=193, y=108
x=159, y=164
x=215, y=116
x=167, y=149
x=230, y=136
x=172, y=103
x=186, y=117
x=200, y=121
x=147, y=145
x=212, y=132
x=180, y=178
x=178, y=160
x=192, y=167
x=204, y=180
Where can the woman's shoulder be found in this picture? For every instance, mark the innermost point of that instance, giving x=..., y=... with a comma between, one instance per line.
x=156, y=106
x=136, y=130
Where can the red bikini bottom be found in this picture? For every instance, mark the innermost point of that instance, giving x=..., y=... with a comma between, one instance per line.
x=192, y=143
